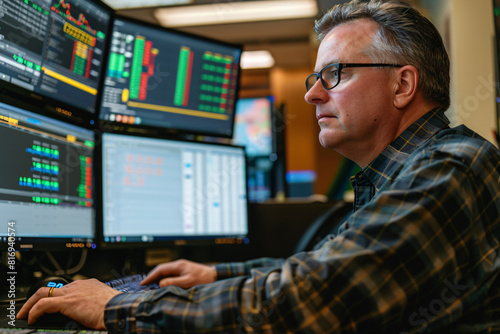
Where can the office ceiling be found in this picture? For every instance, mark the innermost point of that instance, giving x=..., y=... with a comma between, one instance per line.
x=291, y=42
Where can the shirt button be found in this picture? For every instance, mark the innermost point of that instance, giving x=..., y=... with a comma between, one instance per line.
x=147, y=307
x=121, y=324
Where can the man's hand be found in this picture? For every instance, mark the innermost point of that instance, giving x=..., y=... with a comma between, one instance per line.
x=83, y=301
x=181, y=273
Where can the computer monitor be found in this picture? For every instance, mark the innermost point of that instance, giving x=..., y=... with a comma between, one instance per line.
x=253, y=126
x=52, y=53
x=253, y=129
x=169, y=81
x=158, y=191
x=260, y=128
x=46, y=196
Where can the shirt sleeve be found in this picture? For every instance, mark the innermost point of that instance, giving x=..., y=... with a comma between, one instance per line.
x=402, y=265
x=235, y=269
x=119, y=315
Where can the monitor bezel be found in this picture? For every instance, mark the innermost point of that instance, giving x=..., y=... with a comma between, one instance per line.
x=174, y=241
x=108, y=126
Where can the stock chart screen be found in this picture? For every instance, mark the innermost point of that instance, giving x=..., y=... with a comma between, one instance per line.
x=54, y=48
x=46, y=187
x=157, y=189
x=164, y=79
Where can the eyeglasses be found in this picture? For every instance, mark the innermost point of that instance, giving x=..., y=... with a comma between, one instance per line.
x=330, y=74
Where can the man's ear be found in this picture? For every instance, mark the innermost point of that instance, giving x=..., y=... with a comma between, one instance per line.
x=406, y=86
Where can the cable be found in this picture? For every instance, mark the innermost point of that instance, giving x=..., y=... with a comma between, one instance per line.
x=59, y=270
x=80, y=264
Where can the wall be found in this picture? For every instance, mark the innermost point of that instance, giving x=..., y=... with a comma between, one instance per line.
x=468, y=30
x=473, y=64
x=303, y=151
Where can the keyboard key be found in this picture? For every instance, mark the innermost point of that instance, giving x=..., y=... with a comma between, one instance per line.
x=131, y=284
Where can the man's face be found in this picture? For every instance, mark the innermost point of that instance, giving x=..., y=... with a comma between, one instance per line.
x=357, y=116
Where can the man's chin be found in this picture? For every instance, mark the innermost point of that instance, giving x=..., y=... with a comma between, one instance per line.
x=327, y=141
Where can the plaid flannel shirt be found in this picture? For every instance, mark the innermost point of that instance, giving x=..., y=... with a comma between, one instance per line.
x=420, y=254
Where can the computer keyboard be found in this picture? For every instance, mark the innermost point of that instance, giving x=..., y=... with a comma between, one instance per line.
x=131, y=284
x=124, y=284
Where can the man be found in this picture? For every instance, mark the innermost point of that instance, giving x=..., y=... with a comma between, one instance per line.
x=419, y=253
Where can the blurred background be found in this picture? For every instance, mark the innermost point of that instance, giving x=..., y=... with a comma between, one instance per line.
x=280, y=46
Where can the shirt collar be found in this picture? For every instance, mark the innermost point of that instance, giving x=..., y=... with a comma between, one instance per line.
x=392, y=158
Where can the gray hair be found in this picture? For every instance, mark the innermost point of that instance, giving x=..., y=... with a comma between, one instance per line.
x=404, y=37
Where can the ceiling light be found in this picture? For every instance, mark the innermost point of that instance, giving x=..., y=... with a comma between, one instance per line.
x=256, y=59
x=122, y=4
x=232, y=12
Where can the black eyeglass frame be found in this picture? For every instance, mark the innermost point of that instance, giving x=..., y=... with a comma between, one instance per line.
x=340, y=67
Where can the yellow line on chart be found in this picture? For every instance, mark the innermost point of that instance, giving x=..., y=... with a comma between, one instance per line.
x=70, y=81
x=178, y=110
x=53, y=136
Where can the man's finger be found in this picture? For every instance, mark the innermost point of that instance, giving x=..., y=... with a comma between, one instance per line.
x=160, y=271
x=151, y=277
x=45, y=305
x=180, y=281
x=39, y=294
